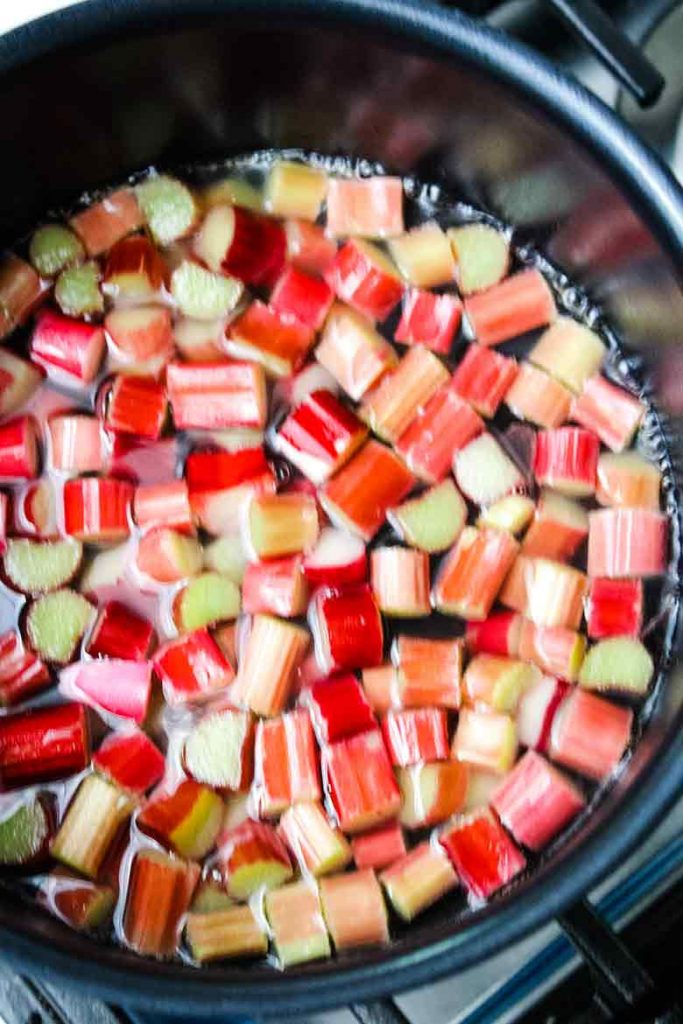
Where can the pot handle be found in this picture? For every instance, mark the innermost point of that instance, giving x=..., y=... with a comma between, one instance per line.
x=380, y=1011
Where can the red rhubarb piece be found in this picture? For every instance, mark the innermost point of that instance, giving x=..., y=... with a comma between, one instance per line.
x=192, y=667
x=131, y=760
x=400, y=581
x=102, y=224
x=163, y=505
x=275, y=587
x=243, y=244
x=18, y=449
x=485, y=739
x=353, y=352
x=535, y=801
x=22, y=674
x=286, y=763
x=19, y=380
x=221, y=484
x=134, y=268
x=473, y=572
x=416, y=734
x=365, y=278
x=429, y=671
x=610, y=412
x=268, y=662
x=626, y=542
x=338, y=707
x=518, y=304
x=614, y=608
x=482, y=854
x=139, y=335
x=361, y=782
x=277, y=341
x=76, y=444
x=539, y=398
x=120, y=633
x=554, y=649
x=379, y=848
x=432, y=793
x=306, y=298
x=167, y=556
x=186, y=819
x=370, y=207
x=159, y=894
x=252, y=857
x=354, y=909
x=21, y=290
x=483, y=378
x=567, y=459
x=134, y=459
x=71, y=346
x=589, y=734
x=121, y=688
x=320, y=435
x=498, y=634
x=337, y=559
x=35, y=510
x=347, y=629
x=216, y=395
x=445, y=425
x=429, y=319
x=97, y=509
x=364, y=490
x=395, y=402
x=136, y=405
x=558, y=528
x=308, y=247
x=43, y=744
x=537, y=709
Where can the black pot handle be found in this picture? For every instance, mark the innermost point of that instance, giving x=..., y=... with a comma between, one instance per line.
x=380, y=1011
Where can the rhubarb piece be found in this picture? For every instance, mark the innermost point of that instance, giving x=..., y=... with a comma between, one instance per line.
x=163, y=505
x=187, y=820
x=484, y=858
x=21, y=290
x=35, y=511
x=361, y=784
x=365, y=278
x=90, y=825
x=482, y=256
x=338, y=708
x=106, y=569
x=167, y=556
x=276, y=587
x=54, y=247
x=19, y=380
x=168, y=207
x=122, y=688
x=472, y=573
x=567, y=459
x=424, y=256
x=101, y=225
x=433, y=521
x=511, y=513
x=353, y=352
x=400, y=581
x=77, y=290
x=554, y=593
x=496, y=682
x=76, y=444
x=286, y=763
x=302, y=296
x=347, y=628
x=199, y=341
x=625, y=542
x=445, y=425
x=318, y=847
x=354, y=909
x=295, y=916
x=429, y=671
x=536, y=712
x=22, y=674
x=295, y=190
x=130, y=760
x=319, y=436
x=379, y=848
x=614, y=608
x=272, y=654
x=225, y=933
x=484, y=378
x=210, y=898
x=610, y=412
x=431, y=793
x=418, y=879
x=96, y=509
x=134, y=270
x=234, y=191
x=570, y=352
x=485, y=739
x=18, y=449
x=337, y=560
x=626, y=479
x=219, y=750
x=203, y=294
x=35, y=567
x=360, y=495
x=25, y=833
x=138, y=334
x=513, y=593
x=514, y=306
x=553, y=649
x=56, y=623
x=535, y=801
x=369, y=207
x=559, y=527
x=253, y=857
x=226, y=636
x=618, y=664
x=536, y=397
x=483, y=471
x=136, y=405
x=192, y=667
x=281, y=524
x=415, y=735
x=292, y=391
x=159, y=893
x=481, y=785
x=242, y=243
x=498, y=634
x=429, y=319
x=205, y=600
x=393, y=405
x=217, y=395
x=271, y=338
x=589, y=734
x=226, y=556
x=308, y=247
x=381, y=687
x=42, y=745
x=80, y=903
x=222, y=483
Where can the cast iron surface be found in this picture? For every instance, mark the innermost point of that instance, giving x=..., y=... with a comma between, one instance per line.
x=438, y=945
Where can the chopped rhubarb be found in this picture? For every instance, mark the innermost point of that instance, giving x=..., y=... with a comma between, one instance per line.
x=308, y=247
x=203, y=294
x=511, y=513
x=36, y=567
x=205, y=600
x=430, y=320
x=484, y=858
x=138, y=334
x=369, y=207
x=431, y=793
x=296, y=921
x=35, y=511
x=221, y=484
x=415, y=735
x=424, y=256
x=102, y=224
x=418, y=879
x=168, y=206
x=393, y=405
x=192, y=667
x=286, y=763
x=626, y=479
x=318, y=848
x=188, y=819
x=167, y=556
x=26, y=830
x=134, y=270
x=498, y=634
x=19, y=380
x=365, y=278
x=445, y=425
x=481, y=785
x=617, y=664
x=429, y=671
x=225, y=933
x=82, y=904
x=514, y=306
x=277, y=587
x=559, y=527
x=554, y=649
x=295, y=190
x=199, y=341
x=614, y=608
x=227, y=556
x=242, y=243
x=537, y=709
x=482, y=256
x=338, y=707
x=18, y=449
x=567, y=459
x=106, y=569
x=22, y=674
x=625, y=542
x=381, y=687
x=210, y=897
x=347, y=628
x=76, y=444
x=91, y=824
x=136, y=405
x=434, y=520
x=570, y=352
x=354, y=909
x=319, y=436
x=219, y=750
x=69, y=346
x=271, y=338
x=292, y=391
x=535, y=801
x=536, y=397
x=252, y=857
x=361, y=783
x=96, y=509
x=43, y=744
x=21, y=290
x=54, y=247
x=337, y=559
x=554, y=593
x=56, y=623
x=364, y=490
x=281, y=524
x=131, y=760
x=610, y=412
x=233, y=190
x=77, y=290
x=216, y=395
x=400, y=581
x=495, y=682
x=273, y=652
x=379, y=848
x=165, y=505
x=485, y=739
x=473, y=572
x=484, y=378
x=589, y=734
x=484, y=472
x=121, y=688
x=159, y=894
x=353, y=352
x=134, y=459
x=302, y=296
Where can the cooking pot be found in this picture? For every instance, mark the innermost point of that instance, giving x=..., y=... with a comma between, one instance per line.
x=91, y=94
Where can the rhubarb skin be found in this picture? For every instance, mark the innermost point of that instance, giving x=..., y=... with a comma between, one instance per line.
x=567, y=459
x=81, y=904
x=361, y=783
x=188, y=819
x=393, y=405
x=75, y=444
x=22, y=674
x=91, y=824
x=217, y=395
x=192, y=667
x=347, y=629
x=415, y=735
x=159, y=894
x=306, y=298
x=536, y=397
x=18, y=449
x=101, y=225
x=230, y=932
x=473, y=572
x=569, y=351
x=418, y=879
x=43, y=744
x=163, y=505
x=21, y=290
x=296, y=921
x=353, y=352
x=445, y=425
x=516, y=305
x=431, y=793
x=243, y=244
x=381, y=687
x=219, y=750
x=589, y=734
x=553, y=649
x=20, y=380
x=67, y=345
x=483, y=378
x=338, y=559
x=273, y=652
x=614, y=608
x=281, y=524
x=498, y=634
x=429, y=671
x=137, y=405
x=97, y=509
x=400, y=581
x=121, y=688
x=379, y=848
x=610, y=412
x=279, y=343
x=363, y=491
x=485, y=739
x=484, y=858
x=627, y=542
x=626, y=479
x=221, y=484
x=131, y=760
x=354, y=909
x=338, y=707
x=554, y=593
x=559, y=527
x=308, y=247
x=276, y=587
x=537, y=709
x=535, y=801
x=286, y=763
x=429, y=319
x=251, y=857
x=134, y=269
x=320, y=435
x=368, y=207
x=319, y=848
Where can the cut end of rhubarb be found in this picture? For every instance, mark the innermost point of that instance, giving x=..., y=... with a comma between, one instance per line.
x=57, y=622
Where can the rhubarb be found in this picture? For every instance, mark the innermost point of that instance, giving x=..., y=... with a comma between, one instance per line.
x=120, y=688
x=72, y=347
x=76, y=444
x=379, y=848
x=159, y=894
x=485, y=739
x=54, y=247
x=19, y=449
x=589, y=734
x=610, y=412
x=418, y=880
x=559, y=527
x=22, y=674
x=624, y=542
x=77, y=290
x=484, y=378
x=302, y=296
x=202, y=294
x=272, y=654
x=192, y=667
x=92, y=821
x=400, y=581
x=253, y=857
x=484, y=858
x=295, y=916
x=35, y=567
x=97, y=509
x=319, y=436
x=429, y=671
x=26, y=831
x=514, y=306
x=241, y=243
x=295, y=190
x=353, y=352
x=271, y=338
x=473, y=571
x=416, y=735
x=130, y=760
x=434, y=520
x=431, y=793
x=43, y=744
x=337, y=559
x=216, y=395
x=497, y=634
x=536, y=397
x=188, y=819
x=102, y=224
x=225, y=933
x=207, y=599
x=570, y=352
x=393, y=405
x=219, y=750
x=338, y=707
x=364, y=490
x=168, y=206
x=286, y=763
x=319, y=848
x=347, y=628
x=19, y=380
x=482, y=256
x=369, y=207
x=617, y=664
x=626, y=479
x=56, y=623
x=136, y=405
x=495, y=682
x=166, y=556
x=614, y=608
x=429, y=319
x=361, y=783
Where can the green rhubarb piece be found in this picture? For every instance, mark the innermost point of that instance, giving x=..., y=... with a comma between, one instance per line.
x=202, y=294
x=54, y=247
x=24, y=834
x=433, y=521
x=218, y=749
x=196, y=833
x=56, y=623
x=105, y=569
x=226, y=555
x=235, y=192
x=481, y=255
x=91, y=824
x=36, y=567
x=207, y=599
x=168, y=206
x=619, y=663
x=211, y=898
x=77, y=290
